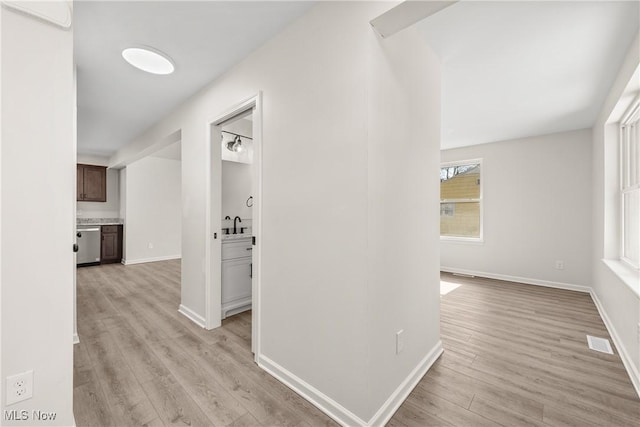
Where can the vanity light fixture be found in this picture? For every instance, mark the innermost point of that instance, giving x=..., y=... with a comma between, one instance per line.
x=149, y=60
x=235, y=145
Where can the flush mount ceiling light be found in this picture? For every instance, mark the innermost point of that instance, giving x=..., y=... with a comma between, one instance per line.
x=149, y=60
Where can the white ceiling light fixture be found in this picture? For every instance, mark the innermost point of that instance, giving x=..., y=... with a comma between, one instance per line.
x=149, y=60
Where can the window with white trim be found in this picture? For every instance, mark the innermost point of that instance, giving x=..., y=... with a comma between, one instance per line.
x=461, y=200
x=630, y=186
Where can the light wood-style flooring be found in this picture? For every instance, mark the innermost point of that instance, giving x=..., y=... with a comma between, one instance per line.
x=515, y=355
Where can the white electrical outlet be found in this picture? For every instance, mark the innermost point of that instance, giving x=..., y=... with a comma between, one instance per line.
x=559, y=265
x=399, y=341
x=19, y=387
x=150, y=246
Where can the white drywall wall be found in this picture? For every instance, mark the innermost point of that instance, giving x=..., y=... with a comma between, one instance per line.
x=321, y=307
x=153, y=210
x=403, y=221
x=536, y=209
x=236, y=189
x=620, y=304
x=38, y=169
x=88, y=159
x=122, y=180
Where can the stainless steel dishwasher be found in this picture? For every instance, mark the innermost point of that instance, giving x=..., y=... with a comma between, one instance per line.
x=88, y=239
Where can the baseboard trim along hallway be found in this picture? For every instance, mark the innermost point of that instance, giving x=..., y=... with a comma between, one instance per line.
x=154, y=259
x=634, y=376
x=403, y=391
x=192, y=315
x=525, y=280
x=339, y=413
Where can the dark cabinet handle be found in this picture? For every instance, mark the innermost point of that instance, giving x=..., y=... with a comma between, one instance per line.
x=75, y=247
x=251, y=270
x=78, y=234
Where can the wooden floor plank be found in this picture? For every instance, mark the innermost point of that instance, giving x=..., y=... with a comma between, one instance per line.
x=500, y=413
x=214, y=399
x=255, y=398
x=90, y=404
x=515, y=355
x=124, y=395
x=247, y=420
x=411, y=415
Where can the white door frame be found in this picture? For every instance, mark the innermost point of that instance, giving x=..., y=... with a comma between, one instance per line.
x=213, y=266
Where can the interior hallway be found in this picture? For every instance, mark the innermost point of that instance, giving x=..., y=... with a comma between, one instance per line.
x=514, y=355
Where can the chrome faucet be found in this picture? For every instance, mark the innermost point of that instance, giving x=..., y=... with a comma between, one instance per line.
x=235, y=231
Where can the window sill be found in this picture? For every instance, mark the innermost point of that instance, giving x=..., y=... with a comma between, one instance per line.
x=625, y=273
x=464, y=240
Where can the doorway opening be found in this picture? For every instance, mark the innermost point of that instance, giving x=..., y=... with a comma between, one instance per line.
x=237, y=208
x=233, y=220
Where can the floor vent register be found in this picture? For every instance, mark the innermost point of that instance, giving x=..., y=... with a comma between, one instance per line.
x=599, y=344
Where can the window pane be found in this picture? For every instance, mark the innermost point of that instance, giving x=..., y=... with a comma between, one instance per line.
x=460, y=182
x=460, y=219
x=624, y=163
x=632, y=226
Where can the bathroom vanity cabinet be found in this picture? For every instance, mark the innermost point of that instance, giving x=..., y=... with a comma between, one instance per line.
x=236, y=275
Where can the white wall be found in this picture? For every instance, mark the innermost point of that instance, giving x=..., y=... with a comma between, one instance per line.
x=403, y=277
x=122, y=180
x=618, y=303
x=38, y=169
x=153, y=210
x=536, y=210
x=90, y=159
x=236, y=189
x=330, y=79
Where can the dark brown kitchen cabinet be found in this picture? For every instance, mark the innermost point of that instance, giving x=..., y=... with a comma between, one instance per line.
x=111, y=244
x=91, y=183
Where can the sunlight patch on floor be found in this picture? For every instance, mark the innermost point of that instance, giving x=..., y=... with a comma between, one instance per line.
x=446, y=287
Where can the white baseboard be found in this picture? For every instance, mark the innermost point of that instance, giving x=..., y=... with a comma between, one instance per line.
x=192, y=315
x=76, y=339
x=323, y=402
x=154, y=259
x=396, y=399
x=622, y=351
x=525, y=280
x=338, y=412
x=235, y=307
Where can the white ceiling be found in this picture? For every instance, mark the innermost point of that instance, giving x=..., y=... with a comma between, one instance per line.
x=517, y=69
x=116, y=102
x=510, y=69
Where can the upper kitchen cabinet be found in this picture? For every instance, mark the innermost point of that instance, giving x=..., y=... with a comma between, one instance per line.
x=92, y=183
